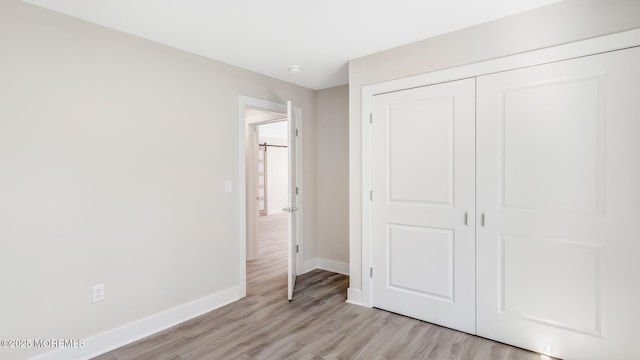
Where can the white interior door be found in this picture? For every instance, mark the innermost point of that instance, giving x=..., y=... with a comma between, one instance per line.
x=559, y=190
x=423, y=254
x=293, y=206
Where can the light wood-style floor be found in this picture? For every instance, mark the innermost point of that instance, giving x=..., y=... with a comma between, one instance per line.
x=317, y=325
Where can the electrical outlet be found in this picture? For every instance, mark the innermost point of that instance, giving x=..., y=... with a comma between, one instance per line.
x=227, y=186
x=98, y=293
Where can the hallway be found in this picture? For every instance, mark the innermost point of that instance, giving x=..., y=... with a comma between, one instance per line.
x=268, y=273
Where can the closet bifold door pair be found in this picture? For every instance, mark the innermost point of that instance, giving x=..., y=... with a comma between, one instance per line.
x=506, y=205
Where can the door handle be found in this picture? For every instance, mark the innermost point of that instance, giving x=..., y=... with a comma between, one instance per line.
x=290, y=209
x=466, y=218
x=482, y=220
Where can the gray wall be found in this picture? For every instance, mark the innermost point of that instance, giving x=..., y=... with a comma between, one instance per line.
x=332, y=173
x=113, y=156
x=555, y=24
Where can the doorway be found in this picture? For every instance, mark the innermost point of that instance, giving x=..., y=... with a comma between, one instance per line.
x=267, y=251
x=252, y=115
x=267, y=140
x=272, y=167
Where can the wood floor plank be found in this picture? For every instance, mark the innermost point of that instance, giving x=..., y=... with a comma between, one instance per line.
x=317, y=325
x=402, y=340
x=106, y=356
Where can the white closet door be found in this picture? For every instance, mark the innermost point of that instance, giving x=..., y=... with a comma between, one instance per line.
x=423, y=184
x=558, y=179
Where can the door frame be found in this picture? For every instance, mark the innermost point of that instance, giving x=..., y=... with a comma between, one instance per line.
x=247, y=102
x=568, y=51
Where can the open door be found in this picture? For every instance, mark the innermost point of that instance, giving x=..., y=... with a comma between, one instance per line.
x=292, y=209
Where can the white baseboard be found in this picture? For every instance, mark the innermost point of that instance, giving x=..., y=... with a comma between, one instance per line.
x=309, y=265
x=354, y=296
x=112, y=339
x=325, y=264
x=333, y=266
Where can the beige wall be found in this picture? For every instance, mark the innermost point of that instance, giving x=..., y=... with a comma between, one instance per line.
x=113, y=156
x=332, y=166
x=555, y=24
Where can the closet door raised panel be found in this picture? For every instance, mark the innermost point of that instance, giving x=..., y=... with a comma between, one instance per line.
x=423, y=184
x=558, y=168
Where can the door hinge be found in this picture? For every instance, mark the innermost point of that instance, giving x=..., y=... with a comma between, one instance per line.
x=296, y=190
x=370, y=272
x=370, y=195
x=297, y=249
x=371, y=118
x=296, y=132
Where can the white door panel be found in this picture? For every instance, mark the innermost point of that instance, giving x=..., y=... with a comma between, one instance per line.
x=423, y=184
x=558, y=179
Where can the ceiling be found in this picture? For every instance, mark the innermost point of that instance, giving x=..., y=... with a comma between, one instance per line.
x=269, y=36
